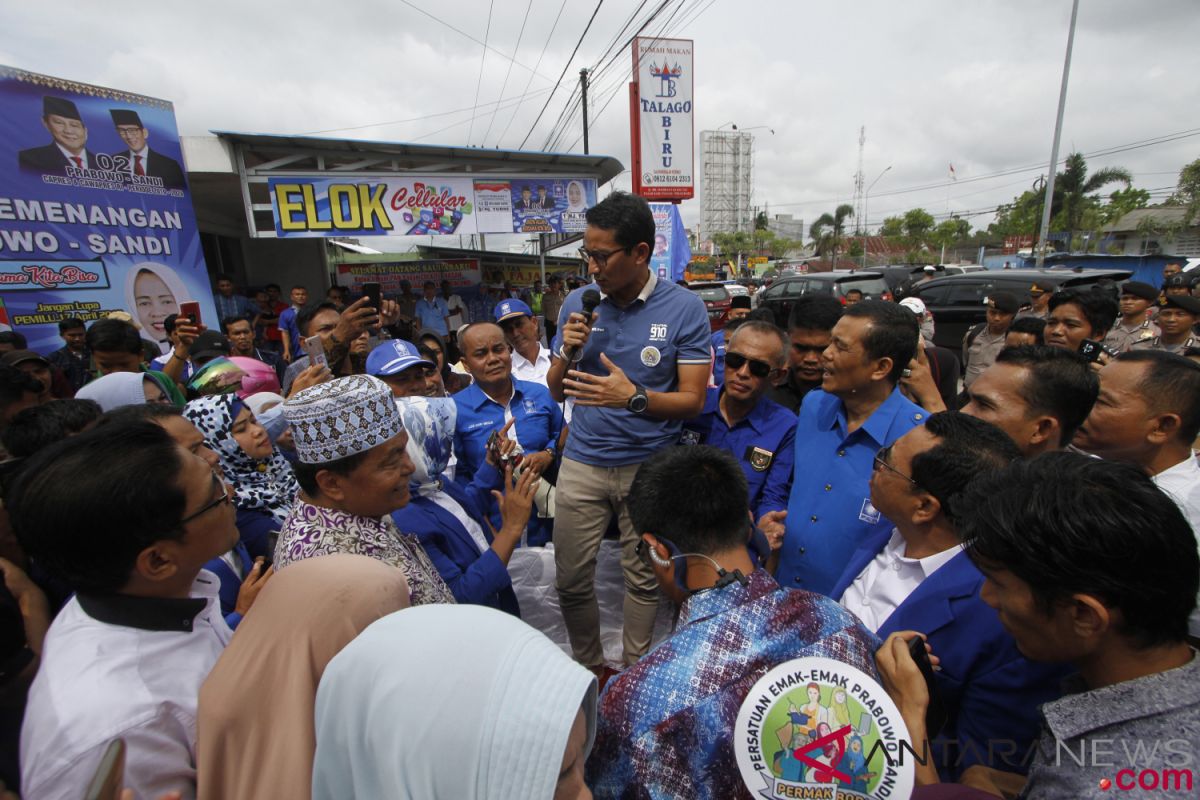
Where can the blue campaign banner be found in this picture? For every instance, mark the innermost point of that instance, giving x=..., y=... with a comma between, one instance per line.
x=672, y=252
x=95, y=214
x=551, y=205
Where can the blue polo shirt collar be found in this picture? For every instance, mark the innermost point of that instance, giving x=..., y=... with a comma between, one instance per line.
x=877, y=425
x=756, y=419
x=478, y=398
x=646, y=291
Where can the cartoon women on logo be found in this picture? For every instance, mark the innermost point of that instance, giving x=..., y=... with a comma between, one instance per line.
x=854, y=764
x=839, y=711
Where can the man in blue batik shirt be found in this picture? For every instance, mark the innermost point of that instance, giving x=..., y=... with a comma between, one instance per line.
x=666, y=725
x=432, y=312
x=635, y=370
x=740, y=418
x=857, y=412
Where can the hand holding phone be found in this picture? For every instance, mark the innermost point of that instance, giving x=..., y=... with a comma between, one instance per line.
x=314, y=348
x=935, y=714
x=374, y=294
x=191, y=310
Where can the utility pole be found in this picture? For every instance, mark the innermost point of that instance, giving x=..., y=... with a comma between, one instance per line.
x=1062, y=103
x=583, y=75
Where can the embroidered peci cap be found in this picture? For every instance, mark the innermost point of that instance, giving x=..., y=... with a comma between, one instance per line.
x=341, y=418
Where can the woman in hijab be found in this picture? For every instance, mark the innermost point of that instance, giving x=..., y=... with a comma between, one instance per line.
x=118, y=389
x=401, y=713
x=450, y=519
x=264, y=483
x=268, y=675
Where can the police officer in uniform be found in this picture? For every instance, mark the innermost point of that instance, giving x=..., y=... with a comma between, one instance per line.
x=984, y=341
x=1039, y=293
x=1134, y=325
x=1177, y=315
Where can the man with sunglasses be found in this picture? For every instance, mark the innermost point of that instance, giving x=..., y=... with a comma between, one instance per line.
x=740, y=418
x=127, y=654
x=915, y=577
x=635, y=370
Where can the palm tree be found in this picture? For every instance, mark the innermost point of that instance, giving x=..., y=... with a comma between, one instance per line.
x=1073, y=185
x=827, y=230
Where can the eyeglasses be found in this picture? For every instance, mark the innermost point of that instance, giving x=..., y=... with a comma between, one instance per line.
x=759, y=369
x=881, y=461
x=224, y=498
x=599, y=256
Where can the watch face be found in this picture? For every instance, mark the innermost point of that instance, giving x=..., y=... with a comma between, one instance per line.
x=639, y=401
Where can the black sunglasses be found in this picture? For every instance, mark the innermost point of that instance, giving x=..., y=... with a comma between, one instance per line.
x=759, y=369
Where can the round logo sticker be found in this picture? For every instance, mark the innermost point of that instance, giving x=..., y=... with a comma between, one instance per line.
x=651, y=356
x=820, y=729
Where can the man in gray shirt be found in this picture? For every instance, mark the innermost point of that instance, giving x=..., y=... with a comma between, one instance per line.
x=1052, y=537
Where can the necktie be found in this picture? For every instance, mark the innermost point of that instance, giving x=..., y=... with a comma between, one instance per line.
x=78, y=161
x=137, y=166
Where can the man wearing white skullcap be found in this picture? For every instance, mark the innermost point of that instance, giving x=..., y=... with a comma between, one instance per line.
x=353, y=472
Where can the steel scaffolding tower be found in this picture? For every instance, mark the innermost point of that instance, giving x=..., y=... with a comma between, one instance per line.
x=727, y=174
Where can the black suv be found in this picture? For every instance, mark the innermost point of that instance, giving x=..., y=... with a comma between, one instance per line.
x=959, y=301
x=782, y=294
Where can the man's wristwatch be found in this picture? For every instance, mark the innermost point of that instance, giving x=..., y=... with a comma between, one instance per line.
x=639, y=402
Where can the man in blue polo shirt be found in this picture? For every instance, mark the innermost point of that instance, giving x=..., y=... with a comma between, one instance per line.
x=635, y=370
x=432, y=312
x=740, y=418
x=496, y=398
x=857, y=412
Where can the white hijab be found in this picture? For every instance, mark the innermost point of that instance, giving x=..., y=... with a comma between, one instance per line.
x=115, y=389
x=448, y=701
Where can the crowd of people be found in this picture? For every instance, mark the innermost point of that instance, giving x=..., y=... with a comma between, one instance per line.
x=262, y=574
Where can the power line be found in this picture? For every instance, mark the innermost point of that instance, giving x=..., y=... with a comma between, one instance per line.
x=424, y=117
x=441, y=21
x=539, y=63
x=1105, y=151
x=482, y=61
x=564, y=72
x=507, y=72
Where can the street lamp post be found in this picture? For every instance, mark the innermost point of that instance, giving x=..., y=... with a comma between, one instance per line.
x=867, y=205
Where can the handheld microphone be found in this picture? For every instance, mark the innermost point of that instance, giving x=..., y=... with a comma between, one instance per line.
x=591, y=299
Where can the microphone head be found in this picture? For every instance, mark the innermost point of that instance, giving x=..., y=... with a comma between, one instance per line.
x=591, y=299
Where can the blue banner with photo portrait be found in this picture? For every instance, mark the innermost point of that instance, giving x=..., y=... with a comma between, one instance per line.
x=672, y=251
x=550, y=205
x=95, y=214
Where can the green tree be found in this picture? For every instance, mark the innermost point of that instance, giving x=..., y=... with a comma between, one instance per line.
x=760, y=221
x=1121, y=202
x=892, y=226
x=950, y=231
x=828, y=231
x=733, y=244
x=917, y=224
x=1187, y=192
x=1074, y=190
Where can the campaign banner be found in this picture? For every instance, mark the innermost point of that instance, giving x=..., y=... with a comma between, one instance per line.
x=428, y=205
x=95, y=214
x=463, y=273
x=662, y=119
x=550, y=205
x=672, y=252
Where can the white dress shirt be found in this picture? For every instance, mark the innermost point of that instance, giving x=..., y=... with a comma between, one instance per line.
x=1182, y=483
x=533, y=371
x=127, y=668
x=82, y=155
x=145, y=156
x=888, y=580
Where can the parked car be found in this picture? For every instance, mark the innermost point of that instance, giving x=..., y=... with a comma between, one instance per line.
x=717, y=300
x=781, y=295
x=960, y=301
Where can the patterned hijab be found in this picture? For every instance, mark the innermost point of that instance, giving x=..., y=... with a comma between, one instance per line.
x=266, y=484
x=429, y=422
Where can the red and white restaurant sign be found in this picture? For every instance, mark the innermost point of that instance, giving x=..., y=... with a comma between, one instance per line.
x=660, y=118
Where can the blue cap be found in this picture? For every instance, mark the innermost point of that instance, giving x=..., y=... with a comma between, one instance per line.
x=507, y=309
x=393, y=357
